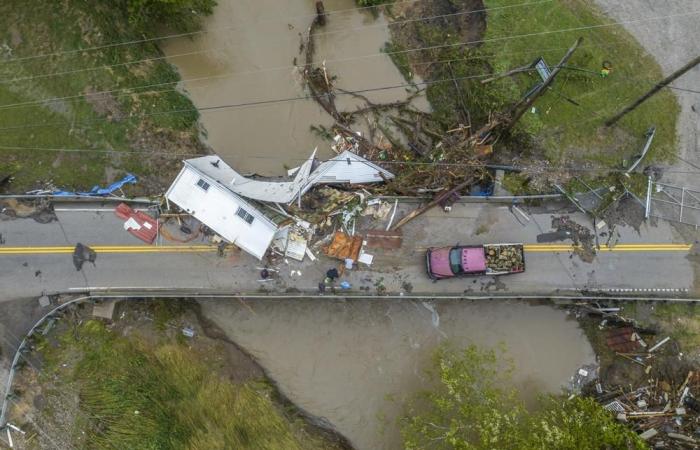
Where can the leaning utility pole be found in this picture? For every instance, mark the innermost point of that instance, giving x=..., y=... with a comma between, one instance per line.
x=660, y=85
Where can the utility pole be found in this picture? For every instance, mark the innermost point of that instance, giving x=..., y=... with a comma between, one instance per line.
x=660, y=85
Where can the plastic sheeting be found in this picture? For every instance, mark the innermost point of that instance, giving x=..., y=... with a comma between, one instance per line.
x=98, y=191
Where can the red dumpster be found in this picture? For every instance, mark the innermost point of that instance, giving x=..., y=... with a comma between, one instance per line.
x=138, y=223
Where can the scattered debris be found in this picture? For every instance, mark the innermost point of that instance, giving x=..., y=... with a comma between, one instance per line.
x=188, y=332
x=387, y=240
x=39, y=210
x=344, y=246
x=81, y=254
x=583, y=238
x=138, y=223
x=623, y=340
x=96, y=191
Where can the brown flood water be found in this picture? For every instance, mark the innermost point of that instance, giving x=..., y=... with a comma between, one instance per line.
x=250, y=48
x=356, y=362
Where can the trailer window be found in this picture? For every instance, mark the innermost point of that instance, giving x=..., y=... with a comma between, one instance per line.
x=245, y=215
x=456, y=261
x=203, y=184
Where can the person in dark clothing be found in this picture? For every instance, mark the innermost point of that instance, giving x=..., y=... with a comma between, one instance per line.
x=332, y=274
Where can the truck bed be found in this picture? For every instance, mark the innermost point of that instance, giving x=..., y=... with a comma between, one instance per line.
x=504, y=258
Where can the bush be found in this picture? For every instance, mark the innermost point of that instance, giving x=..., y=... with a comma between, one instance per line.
x=471, y=409
x=181, y=15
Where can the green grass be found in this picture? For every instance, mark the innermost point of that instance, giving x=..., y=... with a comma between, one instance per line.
x=570, y=133
x=136, y=396
x=73, y=122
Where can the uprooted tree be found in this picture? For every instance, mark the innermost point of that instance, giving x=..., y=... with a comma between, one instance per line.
x=427, y=154
x=471, y=408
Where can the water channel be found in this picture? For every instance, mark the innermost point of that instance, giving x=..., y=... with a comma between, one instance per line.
x=247, y=55
x=356, y=362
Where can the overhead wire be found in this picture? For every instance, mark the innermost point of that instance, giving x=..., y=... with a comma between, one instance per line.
x=199, y=32
x=127, y=90
x=322, y=33
x=378, y=161
x=500, y=38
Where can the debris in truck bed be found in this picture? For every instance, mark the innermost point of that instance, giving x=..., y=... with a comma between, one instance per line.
x=503, y=258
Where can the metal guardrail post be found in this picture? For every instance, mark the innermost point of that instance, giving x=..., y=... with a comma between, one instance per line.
x=647, y=209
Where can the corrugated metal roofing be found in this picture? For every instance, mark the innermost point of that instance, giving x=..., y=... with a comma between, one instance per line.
x=267, y=191
x=347, y=167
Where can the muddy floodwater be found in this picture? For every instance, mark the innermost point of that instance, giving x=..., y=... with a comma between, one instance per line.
x=247, y=55
x=355, y=362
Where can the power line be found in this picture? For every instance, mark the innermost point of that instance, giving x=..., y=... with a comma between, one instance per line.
x=501, y=38
x=343, y=30
x=265, y=102
x=195, y=33
x=231, y=74
x=378, y=161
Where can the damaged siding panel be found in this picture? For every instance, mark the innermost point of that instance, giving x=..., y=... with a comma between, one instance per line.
x=217, y=208
x=349, y=168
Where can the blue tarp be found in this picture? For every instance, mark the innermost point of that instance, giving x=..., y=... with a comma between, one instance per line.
x=98, y=191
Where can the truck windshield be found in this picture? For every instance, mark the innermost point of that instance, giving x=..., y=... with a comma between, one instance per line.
x=456, y=261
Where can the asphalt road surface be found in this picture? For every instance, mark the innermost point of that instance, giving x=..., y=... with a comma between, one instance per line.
x=37, y=258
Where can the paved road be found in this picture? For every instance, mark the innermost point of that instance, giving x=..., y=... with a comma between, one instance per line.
x=36, y=258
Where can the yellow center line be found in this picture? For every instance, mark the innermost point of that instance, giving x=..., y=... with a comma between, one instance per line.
x=531, y=248
x=109, y=249
x=541, y=248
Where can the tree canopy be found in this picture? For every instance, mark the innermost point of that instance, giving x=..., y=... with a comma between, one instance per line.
x=472, y=409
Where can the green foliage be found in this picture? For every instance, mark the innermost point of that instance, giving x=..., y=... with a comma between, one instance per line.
x=117, y=120
x=182, y=15
x=137, y=397
x=471, y=410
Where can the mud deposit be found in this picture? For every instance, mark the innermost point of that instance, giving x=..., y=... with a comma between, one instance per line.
x=248, y=55
x=355, y=362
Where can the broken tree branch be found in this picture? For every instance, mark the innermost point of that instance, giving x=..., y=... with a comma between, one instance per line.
x=522, y=106
x=438, y=198
x=507, y=74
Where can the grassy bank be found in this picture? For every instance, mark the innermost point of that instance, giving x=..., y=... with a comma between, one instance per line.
x=54, y=102
x=139, y=384
x=565, y=127
x=573, y=132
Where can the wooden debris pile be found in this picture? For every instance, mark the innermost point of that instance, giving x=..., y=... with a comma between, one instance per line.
x=665, y=414
x=503, y=258
x=664, y=405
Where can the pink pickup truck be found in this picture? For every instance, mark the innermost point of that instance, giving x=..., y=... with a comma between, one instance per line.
x=488, y=259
